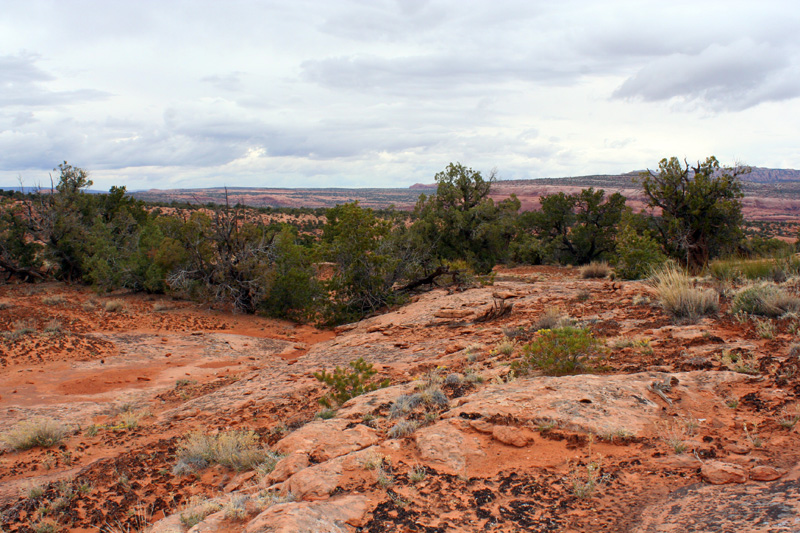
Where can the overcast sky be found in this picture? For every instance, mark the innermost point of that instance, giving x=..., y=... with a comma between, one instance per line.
x=385, y=93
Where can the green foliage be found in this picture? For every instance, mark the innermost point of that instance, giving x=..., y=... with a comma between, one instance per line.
x=367, y=265
x=461, y=222
x=576, y=228
x=294, y=287
x=701, y=210
x=558, y=352
x=19, y=254
x=777, y=270
x=348, y=384
x=638, y=253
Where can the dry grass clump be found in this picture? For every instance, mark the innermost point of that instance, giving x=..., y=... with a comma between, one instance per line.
x=39, y=431
x=53, y=327
x=239, y=450
x=114, y=306
x=595, y=270
x=403, y=428
x=19, y=328
x=56, y=299
x=765, y=299
x=551, y=318
x=196, y=509
x=680, y=298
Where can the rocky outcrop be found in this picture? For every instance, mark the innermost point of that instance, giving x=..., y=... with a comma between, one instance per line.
x=337, y=515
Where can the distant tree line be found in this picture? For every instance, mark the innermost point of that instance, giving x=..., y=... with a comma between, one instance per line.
x=361, y=260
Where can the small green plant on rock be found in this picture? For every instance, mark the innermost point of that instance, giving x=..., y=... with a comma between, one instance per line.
x=384, y=476
x=349, y=384
x=417, y=474
x=765, y=328
x=739, y=361
x=752, y=435
x=506, y=346
x=674, y=434
x=790, y=416
x=587, y=480
x=559, y=352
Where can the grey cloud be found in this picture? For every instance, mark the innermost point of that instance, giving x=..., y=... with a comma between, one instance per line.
x=446, y=73
x=229, y=82
x=733, y=77
x=23, y=84
x=21, y=70
x=396, y=20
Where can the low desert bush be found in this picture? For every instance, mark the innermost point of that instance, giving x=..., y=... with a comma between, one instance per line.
x=237, y=449
x=349, y=384
x=53, y=300
x=769, y=269
x=114, y=306
x=196, y=509
x=595, y=270
x=403, y=428
x=559, y=352
x=765, y=299
x=680, y=298
x=44, y=432
x=404, y=405
x=550, y=319
x=740, y=361
x=506, y=346
x=236, y=507
x=637, y=254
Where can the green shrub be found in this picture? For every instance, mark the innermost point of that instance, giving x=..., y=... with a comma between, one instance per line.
x=680, y=298
x=349, y=384
x=776, y=270
x=44, y=432
x=559, y=352
x=637, y=254
x=765, y=299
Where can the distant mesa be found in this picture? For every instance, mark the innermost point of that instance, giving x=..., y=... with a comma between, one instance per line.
x=418, y=186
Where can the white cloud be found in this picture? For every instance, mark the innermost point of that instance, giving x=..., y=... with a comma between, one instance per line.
x=387, y=92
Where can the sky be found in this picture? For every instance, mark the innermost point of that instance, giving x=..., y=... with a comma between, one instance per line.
x=385, y=93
